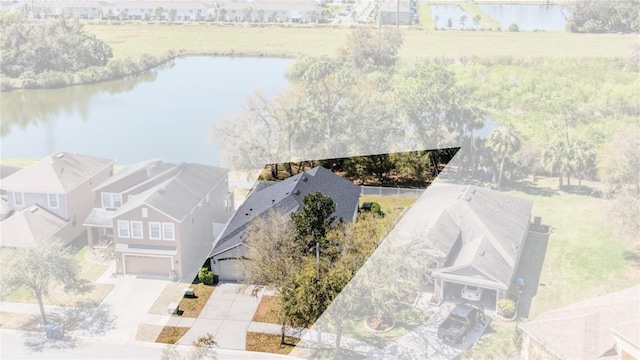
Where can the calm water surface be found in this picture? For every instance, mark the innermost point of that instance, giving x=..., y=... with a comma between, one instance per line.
x=165, y=114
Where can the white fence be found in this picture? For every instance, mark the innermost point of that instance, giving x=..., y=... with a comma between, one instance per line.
x=390, y=191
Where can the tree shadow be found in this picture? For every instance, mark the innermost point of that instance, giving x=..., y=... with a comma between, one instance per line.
x=532, y=189
x=633, y=256
x=83, y=319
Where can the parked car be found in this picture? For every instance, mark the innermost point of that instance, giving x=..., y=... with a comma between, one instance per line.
x=471, y=293
x=460, y=320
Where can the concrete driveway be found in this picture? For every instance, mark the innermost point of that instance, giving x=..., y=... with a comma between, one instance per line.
x=127, y=305
x=226, y=316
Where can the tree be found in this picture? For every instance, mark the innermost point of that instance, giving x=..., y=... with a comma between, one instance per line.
x=476, y=21
x=449, y=23
x=505, y=141
x=369, y=50
x=555, y=160
x=39, y=268
x=435, y=21
x=583, y=159
x=159, y=11
x=222, y=15
x=261, y=15
x=172, y=14
x=313, y=221
x=123, y=15
x=463, y=21
x=594, y=16
x=514, y=28
x=247, y=13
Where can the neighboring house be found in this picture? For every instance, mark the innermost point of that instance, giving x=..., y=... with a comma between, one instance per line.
x=605, y=327
x=5, y=208
x=62, y=184
x=31, y=227
x=295, y=11
x=162, y=217
x=476, y=236
x=286, y=196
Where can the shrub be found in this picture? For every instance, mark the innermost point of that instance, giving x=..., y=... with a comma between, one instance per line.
x=6, y=85
x=52, y=79
x=375, y=208
x=205, y=276
x=514, y=28
x=506, y=307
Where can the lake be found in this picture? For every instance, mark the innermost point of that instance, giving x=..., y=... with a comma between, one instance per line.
x=529, y=17
x=161, y=114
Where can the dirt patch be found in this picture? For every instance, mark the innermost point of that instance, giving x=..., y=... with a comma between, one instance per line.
x=19, y=321
x=171, y=334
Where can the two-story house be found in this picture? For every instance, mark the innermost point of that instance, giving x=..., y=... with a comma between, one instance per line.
x=162, y=217
x=60, y=184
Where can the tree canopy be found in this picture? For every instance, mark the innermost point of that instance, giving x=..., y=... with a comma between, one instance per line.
x=598, y=16
x=56, y=45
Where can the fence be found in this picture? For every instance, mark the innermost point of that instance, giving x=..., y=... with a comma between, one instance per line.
x=390, y=191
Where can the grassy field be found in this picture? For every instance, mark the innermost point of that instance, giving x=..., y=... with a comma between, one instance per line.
x=133, y=40
x=584, y=257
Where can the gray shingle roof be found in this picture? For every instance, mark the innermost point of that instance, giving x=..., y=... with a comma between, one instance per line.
x=143, y=171
x=491, y=225
x=6, y=170
x=57, y=173
x=181, y=193
x=287, y=196
x=30, y=227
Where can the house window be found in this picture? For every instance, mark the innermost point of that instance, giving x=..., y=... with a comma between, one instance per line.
x=123, y=229
x=154, y=231
x=136, y=229
x=53, y=201
x=168, y=231
x=145, y=212
x=111, y=201
x=18, y=198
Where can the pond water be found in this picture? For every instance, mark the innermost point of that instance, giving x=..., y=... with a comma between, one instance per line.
x=442, y=13
x=529, y=17
x=162, y=114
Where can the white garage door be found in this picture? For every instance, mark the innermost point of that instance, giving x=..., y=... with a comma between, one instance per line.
x=229, y=270
x=147, y=265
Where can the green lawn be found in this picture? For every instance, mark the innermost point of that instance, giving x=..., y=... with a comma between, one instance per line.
x=89, y=295
x=584, y=257
x=133, y=40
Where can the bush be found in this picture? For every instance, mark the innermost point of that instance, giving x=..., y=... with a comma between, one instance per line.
x=205, y=276
x=6, y=85
x=514, y=28
x=52, y=79
x=375, y=208
x=506, y=308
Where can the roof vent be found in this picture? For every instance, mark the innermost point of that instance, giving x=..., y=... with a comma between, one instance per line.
x=273, y=201
x=481, y=253
x=468, y=198
x=473, y=191
x=296, y=193
x=60, y=155
x=304, y=178
x=33, y=209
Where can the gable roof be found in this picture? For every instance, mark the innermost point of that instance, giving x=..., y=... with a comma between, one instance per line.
x=30, y=227
x=142, y=171
x=590, y=324
x=489, y=228
x=57, y=173
x=177, y=196
x=6, y=170
x=287, y=195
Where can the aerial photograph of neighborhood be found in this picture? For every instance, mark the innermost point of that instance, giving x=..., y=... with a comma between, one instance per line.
x=320, y=179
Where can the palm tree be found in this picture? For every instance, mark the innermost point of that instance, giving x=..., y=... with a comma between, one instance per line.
x=554, y=160
x=505, y=141
x=583, y=158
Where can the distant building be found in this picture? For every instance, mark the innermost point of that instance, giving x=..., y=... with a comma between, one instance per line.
x=389, y=9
